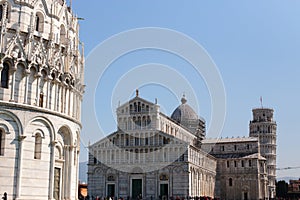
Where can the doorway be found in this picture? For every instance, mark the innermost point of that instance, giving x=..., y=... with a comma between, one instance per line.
x=56, y=191
x=110, y=190
x=164, y=192
x=245, y=195
x=136, y=189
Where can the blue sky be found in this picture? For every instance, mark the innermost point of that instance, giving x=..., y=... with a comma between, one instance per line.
x=254, y=44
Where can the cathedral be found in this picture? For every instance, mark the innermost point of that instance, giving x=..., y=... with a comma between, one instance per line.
x=41, y=89
x=155, y=156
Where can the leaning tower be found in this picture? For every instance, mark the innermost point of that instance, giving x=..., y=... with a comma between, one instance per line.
x=264, y=127
x=41, y=88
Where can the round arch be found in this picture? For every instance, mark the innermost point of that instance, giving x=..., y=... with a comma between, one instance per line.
x=15, y=119
x=66, y=131
x=62, y=34
x=39, y=21
x=47, y=122
x=98, y=170
x=7, y=59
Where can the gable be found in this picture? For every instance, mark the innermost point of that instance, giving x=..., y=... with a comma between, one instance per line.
x=136, y=104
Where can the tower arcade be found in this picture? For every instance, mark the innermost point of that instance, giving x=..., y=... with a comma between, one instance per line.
x=264, y=127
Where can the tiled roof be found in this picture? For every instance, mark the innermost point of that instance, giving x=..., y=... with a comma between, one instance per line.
x=229, y=140
x=239, y=155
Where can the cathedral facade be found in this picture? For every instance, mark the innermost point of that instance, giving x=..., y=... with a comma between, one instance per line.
x=154, y=156
x=40, y=99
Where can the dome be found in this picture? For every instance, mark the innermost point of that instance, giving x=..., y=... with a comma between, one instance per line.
x=184, y=112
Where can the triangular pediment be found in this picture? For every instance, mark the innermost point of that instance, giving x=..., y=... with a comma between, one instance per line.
x=139, y=99
x=136, y=104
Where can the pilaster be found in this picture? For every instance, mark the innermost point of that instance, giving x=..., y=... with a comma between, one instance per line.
x=19, y=167
x=52, y=165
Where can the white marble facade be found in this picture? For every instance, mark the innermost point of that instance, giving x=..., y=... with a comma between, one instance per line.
x=40, y=99
x=153, y=156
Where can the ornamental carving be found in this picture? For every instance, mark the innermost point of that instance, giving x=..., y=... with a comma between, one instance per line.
x=163, y=177
x=111, y=178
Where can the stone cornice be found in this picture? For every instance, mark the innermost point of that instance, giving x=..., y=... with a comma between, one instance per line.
x=16, y=106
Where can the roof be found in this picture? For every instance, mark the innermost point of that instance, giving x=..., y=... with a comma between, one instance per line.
x=184, y=112
x=229, y=140
x=231, y=155
x=262, y=109
x=137, y=98
x=256, y=155
x=239, y=155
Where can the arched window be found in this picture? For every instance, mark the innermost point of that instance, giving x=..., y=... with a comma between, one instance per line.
x=144, y=121
x=230, y=182
x=4, y=75
x=37, y=22
x=62, y=34
x=37, y=146
x=2, y=142
x=1, y=12
x=135, y=107
x=41, y=102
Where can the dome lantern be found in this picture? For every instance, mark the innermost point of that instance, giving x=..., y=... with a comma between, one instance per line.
x=183, y=99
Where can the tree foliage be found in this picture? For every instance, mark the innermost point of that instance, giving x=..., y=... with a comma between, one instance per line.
x=281, y=189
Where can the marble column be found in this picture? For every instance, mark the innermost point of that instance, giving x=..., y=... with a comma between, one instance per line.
x=69, y=101
x=70, y=166
x=3, y=27
x=48, y=80
x=66, y=175
x=37, y=95
x=13, y=77
x=27, y=73
x=74, y=103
